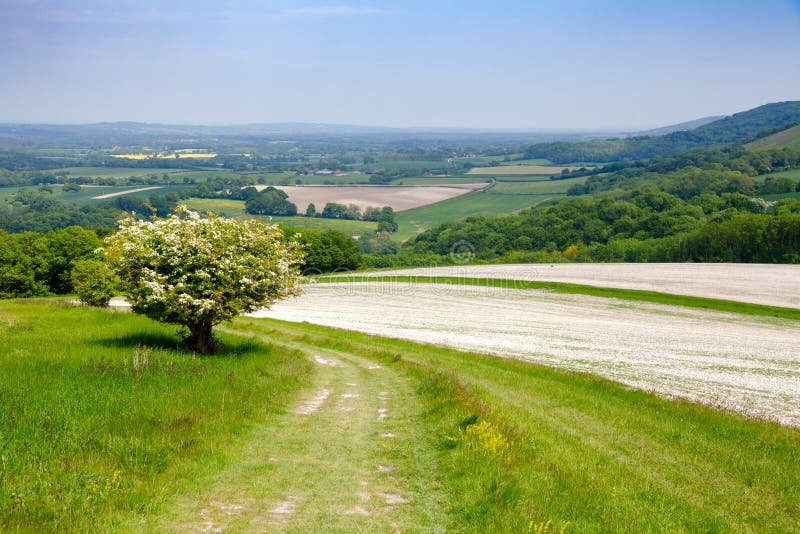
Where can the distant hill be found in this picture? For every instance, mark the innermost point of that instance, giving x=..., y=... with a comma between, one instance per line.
x=680, y=127
x=137, y=133
x=789, y=138
x=736, y=128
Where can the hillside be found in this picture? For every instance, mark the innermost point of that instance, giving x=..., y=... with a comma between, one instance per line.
x=735, y=128
x=789, y=138
x=681, y=127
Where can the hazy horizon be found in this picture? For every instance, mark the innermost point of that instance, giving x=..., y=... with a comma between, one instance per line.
x=519, y=65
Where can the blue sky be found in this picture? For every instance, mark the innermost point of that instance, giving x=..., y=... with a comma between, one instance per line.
x=499, y=64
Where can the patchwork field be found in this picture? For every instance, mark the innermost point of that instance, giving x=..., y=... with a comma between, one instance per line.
x=520, y=169
x=502, y=197
x=399, y=198
x=235, y=208
x=674, y=351
x=772, y=285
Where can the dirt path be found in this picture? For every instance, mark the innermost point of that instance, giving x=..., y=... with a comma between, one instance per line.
x=348, y=456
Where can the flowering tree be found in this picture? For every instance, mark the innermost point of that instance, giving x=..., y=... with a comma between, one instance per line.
x=197, y=272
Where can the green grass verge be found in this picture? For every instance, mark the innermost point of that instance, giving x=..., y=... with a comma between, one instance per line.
x=671, y=299
x=520, y=444
x=101, y=415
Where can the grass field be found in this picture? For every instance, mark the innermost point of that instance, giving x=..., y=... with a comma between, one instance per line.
x=503, y=197
x=112, y=172
x=87, y=193
x=439, y=180
x=520, y=169
x=781, y=196
x=788, y=174
x=235, y=208
x=302, y=428
x=100, y=420
x=785, y=139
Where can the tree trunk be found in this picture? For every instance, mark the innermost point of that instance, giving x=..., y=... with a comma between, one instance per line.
x=201, y=337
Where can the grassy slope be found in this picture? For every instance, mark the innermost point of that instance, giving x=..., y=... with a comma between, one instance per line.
x=77, y=407
x=578, y=289
x=99, y=420
x=503, y=197
x=582, y=449
x=789, y=138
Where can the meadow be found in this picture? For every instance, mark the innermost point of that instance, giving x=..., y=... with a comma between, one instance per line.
x=298, y=427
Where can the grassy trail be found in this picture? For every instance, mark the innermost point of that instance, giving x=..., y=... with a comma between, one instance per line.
x=349, y=455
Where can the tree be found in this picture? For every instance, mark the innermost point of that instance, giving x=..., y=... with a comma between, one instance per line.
x=197, y=272
x=386, y=221
x=94, y=282
x=311, y=210
x=271, y=201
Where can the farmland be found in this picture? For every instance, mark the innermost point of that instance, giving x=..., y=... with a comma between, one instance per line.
x=503, y=197
x=398, y=197
x=682, y=353
x=771, y=285
x=519, y=169
x=235, y=208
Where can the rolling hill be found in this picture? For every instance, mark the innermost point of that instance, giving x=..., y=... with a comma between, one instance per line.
x=789, y=138
x=736, y=128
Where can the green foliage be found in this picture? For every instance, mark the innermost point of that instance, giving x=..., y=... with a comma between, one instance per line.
x=270, y=201
x=197, y=272
x=328, y=251
x=94, y=282
x=39, y=264
x=333, y=210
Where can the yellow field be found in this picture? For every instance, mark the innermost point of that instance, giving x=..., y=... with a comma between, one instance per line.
x=519, y=169
x=185, y=153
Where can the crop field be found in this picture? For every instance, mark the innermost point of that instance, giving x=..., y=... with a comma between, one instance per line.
x=235, y=208
x=167, y=155
x=399, y=198
x=771, y=285
x=520, y=169
x=90, y=194
x=503, y=197
x=113, y=172
x=673, y=351
x=439, y=180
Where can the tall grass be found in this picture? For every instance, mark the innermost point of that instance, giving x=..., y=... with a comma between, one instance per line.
x=100, y=412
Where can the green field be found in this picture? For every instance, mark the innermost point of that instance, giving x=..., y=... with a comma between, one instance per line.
x=87, y=193
x=235, y=208
x=531, y=170
x=781, y=196
x=788, y=174
x=113, y=172
x=786, y=139
x=110, y=427
x=503, y=197
x=441, y=180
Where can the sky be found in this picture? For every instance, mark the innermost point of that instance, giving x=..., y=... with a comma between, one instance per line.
x=561, y=64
